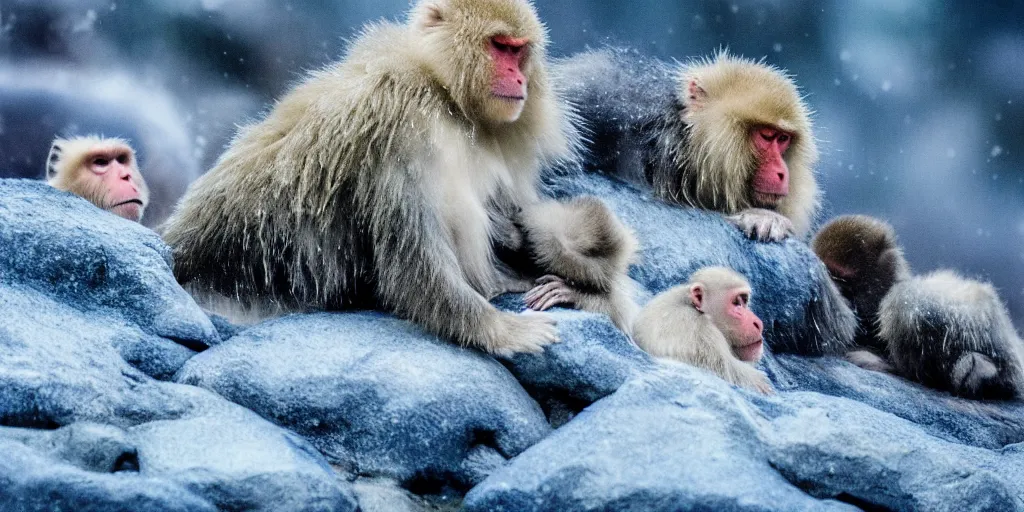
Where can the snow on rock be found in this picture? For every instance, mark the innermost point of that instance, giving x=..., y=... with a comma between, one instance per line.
x=92, y=317
x=680, y=439
x=793, y=294
x=378, y=396
x=94, y=324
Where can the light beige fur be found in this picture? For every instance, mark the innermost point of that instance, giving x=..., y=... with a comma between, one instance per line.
x=669, y=326
x=371, y=182
x=741, y=93
x=68, y=157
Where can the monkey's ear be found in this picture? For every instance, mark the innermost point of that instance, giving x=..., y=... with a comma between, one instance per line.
x=697, y=296
x=52, y=160
x=696, y=96
x=432, y=16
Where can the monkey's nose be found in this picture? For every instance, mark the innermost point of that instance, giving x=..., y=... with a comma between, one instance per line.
x=758, y=325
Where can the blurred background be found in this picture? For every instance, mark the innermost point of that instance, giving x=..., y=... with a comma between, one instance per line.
x=920, y=103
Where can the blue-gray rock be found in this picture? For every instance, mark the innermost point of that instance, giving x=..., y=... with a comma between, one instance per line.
x=378, y=396
x=678, y=438
x=92, y=317
x=95, y=262
x=802, y=310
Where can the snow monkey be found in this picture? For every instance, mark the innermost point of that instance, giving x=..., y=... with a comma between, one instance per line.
x=941, y=330
x=382, y=180
x=707, y=322
x=101, y=170
x=725, y=134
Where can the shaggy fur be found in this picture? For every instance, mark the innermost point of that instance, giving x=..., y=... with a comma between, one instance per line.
x=669, y=326
x=646, y=128
x=941, y=330
x=954, y=334
x=590, y=250
x=382, y=180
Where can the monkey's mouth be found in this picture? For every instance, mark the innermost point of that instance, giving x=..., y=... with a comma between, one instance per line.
x=124, y=203
x=750, y=352
x=767, y=200
x=510, y=98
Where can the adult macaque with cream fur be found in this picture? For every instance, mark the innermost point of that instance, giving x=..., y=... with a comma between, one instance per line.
x=101, y=170
x=725, y=134
x=383, y=180
x=708, y=323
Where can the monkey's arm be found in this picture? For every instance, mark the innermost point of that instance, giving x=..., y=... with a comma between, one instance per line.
x=419, y=277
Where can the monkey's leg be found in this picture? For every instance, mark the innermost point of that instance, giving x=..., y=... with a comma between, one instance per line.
x=763, y=225
x=419, y=277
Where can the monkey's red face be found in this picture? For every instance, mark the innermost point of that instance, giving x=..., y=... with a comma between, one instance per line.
x=771, y=179
x=112, y=172
x=729, y=310
x=508, y=88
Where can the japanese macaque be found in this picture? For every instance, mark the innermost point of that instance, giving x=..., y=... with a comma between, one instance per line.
x=941, y=330
x=101, y=170
x=707, y=322
x=382, y=180
x=725, y=134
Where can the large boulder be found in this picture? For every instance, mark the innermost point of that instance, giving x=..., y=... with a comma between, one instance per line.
x=92, y=318
x=378, y=396
x=679, y=438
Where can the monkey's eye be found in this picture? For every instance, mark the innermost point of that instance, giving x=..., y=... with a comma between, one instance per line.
x=101, y=162
x=783, y=138
x=122, y=159
x=741, y=299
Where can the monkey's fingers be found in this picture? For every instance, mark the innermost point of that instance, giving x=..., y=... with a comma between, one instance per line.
x=528, y=333
x=554, y=299
x=549, y=279
x=538, y=293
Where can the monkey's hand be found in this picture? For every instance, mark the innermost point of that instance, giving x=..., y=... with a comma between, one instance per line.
x=521, y=333
x=550, y=291
x=763, y=225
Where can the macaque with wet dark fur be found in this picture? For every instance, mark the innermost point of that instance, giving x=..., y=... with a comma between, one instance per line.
x=725, y=134
x=941, y=329
x=383, y=180
x=708, y=323
x=101, y=170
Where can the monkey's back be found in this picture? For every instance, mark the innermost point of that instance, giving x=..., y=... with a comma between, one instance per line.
x=285, y=213
x=621, y=97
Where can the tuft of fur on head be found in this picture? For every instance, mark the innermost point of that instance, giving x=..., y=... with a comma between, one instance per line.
x=582, y=241
x=738, y=94
x=719, y=277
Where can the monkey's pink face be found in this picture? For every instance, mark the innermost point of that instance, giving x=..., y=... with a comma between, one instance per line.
x=729, y=310
x=508, y=88
x=113, y=172
x=771, y=179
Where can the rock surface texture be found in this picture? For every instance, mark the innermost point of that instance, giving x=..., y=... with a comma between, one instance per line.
x=118, y=393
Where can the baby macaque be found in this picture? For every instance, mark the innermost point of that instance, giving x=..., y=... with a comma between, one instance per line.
x=101, y=170
x=707, y=322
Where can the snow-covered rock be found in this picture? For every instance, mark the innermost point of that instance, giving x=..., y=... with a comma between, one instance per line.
x=378, y=396
x=679, y=438
x=91, y=319
x=334, y=411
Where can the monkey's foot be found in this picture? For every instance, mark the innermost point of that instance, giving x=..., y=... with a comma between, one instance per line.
x=972, y=370
x=521, y=333
x=550, y=291
x=763, y=225
x=870, y=361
